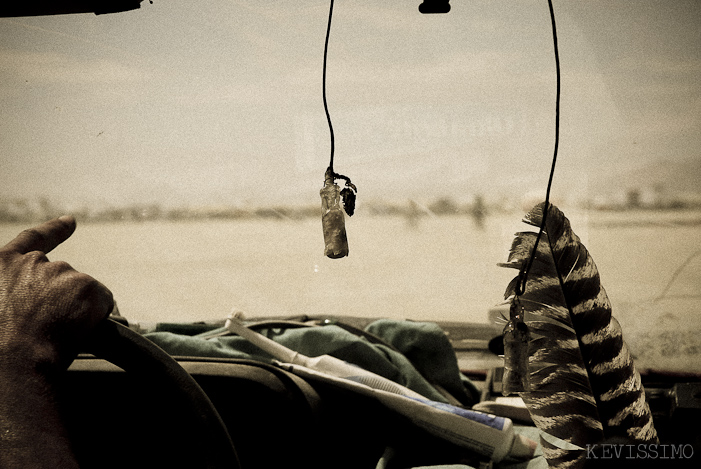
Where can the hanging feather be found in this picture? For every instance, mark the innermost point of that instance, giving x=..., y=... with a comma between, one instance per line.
x=583, y=384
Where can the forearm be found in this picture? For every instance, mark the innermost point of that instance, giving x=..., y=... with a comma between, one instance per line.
x=31, y=432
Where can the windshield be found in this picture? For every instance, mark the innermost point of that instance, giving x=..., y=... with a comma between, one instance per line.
x=190, y=141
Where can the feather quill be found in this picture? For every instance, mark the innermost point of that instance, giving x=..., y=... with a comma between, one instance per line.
x=582, y=384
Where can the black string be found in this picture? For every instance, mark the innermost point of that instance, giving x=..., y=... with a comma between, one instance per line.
x=523, y=274
x=326, y=106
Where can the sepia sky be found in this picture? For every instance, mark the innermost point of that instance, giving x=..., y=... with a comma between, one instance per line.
x=220, y=102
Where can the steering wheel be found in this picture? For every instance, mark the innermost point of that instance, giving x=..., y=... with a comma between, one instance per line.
x=143, y=359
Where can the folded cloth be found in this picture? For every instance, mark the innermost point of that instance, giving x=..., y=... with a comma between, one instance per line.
x=427, y=347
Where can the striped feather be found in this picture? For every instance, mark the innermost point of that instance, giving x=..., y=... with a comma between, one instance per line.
x=583, y=384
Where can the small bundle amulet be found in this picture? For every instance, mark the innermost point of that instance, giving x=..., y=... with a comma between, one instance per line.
x=332, y=220
x=516, y=338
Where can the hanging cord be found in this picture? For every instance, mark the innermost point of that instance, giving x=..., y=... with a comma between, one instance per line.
x=348, y=193
x=323, y=91
x=523, y=274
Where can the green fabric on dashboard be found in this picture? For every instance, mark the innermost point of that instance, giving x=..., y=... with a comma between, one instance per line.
x=335, y=341
x=427, y=347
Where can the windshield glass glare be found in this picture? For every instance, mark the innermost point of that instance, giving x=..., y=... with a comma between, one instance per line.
x=190, y=141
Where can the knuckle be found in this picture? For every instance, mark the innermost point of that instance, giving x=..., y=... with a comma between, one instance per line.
x=85, y=288
x=36, y=256
x=32, y=234
x=74, y=280
x=61, y=266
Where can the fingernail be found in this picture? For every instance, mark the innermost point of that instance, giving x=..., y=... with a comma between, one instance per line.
x=66, y=219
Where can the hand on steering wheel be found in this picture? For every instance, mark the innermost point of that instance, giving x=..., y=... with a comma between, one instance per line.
x=48, y=311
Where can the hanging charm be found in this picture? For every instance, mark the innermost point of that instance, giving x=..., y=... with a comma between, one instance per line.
x=348, y=197
x=332, y=219
x=516, y=338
